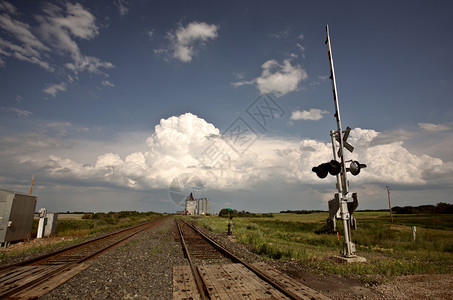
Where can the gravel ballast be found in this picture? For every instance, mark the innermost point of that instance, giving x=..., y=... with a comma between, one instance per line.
x=141, y=268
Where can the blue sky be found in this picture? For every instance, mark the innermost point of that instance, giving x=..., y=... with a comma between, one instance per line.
x=113, y=104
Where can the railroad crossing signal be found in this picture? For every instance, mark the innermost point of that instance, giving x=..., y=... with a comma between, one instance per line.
x=340, y=207
x=355, y=167
x=333, y=168
x=334, y=211
x=345, y=138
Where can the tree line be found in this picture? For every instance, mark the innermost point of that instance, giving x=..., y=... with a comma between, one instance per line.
x=225, y=213
x=439, y=208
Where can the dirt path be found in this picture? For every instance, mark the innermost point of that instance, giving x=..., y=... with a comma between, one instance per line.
x=419, y=287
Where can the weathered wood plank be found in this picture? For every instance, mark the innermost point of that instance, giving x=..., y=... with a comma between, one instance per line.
x=43, y=287
x=289, y=283
x=235, y=282
x=13, y=274
x=184, y=287
x=214, y=283
x=243, y=282
x=28, y=276
x=259, y=288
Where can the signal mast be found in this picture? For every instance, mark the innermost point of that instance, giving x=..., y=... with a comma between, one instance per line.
x=339, y=207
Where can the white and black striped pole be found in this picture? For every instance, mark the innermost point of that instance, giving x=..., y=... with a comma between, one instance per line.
x=342, y=184
x=343, y=189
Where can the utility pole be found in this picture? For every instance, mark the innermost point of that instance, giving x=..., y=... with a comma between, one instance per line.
x=390, y=204
x=32, y=184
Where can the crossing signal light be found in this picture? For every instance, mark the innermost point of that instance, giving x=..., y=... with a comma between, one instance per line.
x=333, y=168
x=355, y=167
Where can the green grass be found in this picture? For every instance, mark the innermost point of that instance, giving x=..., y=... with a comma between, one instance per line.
x=157, y=249
x=43, y=248
x=94, y=224
x=389, y=248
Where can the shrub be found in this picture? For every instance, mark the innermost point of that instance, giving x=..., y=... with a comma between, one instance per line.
x=251, y=226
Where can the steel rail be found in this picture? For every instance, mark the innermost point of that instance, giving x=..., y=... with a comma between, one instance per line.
x=195, y=273
x=61, y=251
x=151, y=224
x=65, y=266
x=235, y=258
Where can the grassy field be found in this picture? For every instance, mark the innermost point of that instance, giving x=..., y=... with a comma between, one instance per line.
x=388, y=247
x=70, y=216
x=75, y=225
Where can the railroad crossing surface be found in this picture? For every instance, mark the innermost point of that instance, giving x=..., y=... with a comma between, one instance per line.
x=234, y=280
x=153, y=265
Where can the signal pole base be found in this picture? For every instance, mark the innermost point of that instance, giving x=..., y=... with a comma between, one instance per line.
x=351, y=259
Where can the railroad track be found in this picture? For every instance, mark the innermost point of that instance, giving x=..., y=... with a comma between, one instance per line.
x=230, y=277
x=33, y=278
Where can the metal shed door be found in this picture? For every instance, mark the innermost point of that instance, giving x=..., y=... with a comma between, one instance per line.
x=4, y=215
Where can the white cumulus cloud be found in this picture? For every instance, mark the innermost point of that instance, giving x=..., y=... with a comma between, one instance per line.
x=314, y=114
x=271, y=167
x=186, y=41
x=278, y=79
x=107, y=83
x=434, y=127
x=53, y=89
x=179, y=143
